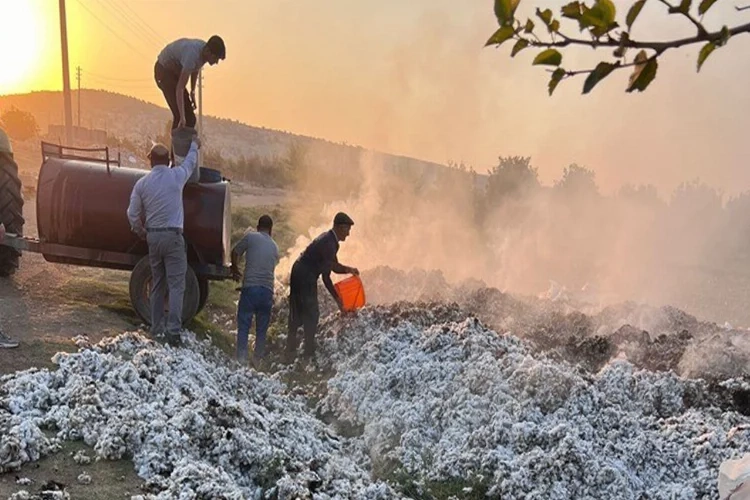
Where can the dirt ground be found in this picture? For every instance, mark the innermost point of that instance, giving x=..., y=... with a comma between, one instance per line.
x=109, y=479
x=44, y=306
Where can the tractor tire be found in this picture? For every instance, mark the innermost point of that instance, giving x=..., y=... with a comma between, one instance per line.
x=140, y=292
x=204, y=288
x=11, y=211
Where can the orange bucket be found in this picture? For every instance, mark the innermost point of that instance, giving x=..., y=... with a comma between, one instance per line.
x=351, y=292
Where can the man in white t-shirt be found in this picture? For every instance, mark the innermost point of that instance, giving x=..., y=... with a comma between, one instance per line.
x=179, y=61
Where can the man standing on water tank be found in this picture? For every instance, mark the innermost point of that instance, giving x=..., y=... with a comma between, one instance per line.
x=179, y=61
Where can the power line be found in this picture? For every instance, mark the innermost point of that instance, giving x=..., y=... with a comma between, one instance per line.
x=155, y=33
x=78, y=94
x=125, y=85
x=131, y=24
x=118, y=79
x=111, y=30
x=116, y=82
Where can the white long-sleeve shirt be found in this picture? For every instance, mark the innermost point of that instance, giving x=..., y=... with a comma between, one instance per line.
x=157, y=196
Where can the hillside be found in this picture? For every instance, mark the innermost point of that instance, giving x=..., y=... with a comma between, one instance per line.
x=139, y=122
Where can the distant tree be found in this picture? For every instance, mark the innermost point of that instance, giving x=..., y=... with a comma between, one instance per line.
x=644, y=195
x=696, y=200
x=19, y=125
x=597, y=20
x=738, y=221
x=512, y=178
x=577, y=182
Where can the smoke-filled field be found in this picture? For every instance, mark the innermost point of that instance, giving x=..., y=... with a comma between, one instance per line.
x=520, y=341
x=461, y=392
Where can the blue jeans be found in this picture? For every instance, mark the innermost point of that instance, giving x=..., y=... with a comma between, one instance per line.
x=254, y=300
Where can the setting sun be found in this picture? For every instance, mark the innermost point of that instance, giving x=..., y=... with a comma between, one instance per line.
x=21, y=40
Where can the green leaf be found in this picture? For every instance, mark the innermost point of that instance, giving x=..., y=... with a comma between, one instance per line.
x=503, y=12
x=572, y=10
x=704, y=53
x=598, y=32
x=635, y=9
x=554, y=26
x=501, y=35
x=601, y=15
x=644, y=74
x=582, y=24
x=557, y=75
x=608, y=8
x=529, y=26
x=704, y=6
x=545, y=16
x=601, y=71
x=518, y=47
x=685, y=6
x=549, y=57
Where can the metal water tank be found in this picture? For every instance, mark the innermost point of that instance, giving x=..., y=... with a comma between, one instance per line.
x=83, y=204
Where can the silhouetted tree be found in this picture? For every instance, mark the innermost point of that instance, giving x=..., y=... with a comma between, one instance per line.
x=577, y=183
x=512, y=178
x=19, y=125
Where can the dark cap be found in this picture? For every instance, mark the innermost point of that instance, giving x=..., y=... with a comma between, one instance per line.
x=216, y=46
x=342, y=218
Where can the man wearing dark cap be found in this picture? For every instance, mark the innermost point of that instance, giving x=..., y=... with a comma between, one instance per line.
x=256, y=297
x=179, y=61
x=156, y=213
x=318, y=259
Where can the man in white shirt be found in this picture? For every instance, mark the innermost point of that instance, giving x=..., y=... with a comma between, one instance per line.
x=156, y=214
x=179, y=61
x=256, y=297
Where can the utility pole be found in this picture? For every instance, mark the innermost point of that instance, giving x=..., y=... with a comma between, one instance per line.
x=200, y=113
x=66, y=74
x=78, y=76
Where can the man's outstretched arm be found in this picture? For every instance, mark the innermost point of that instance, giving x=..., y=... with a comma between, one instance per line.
x=338, y=268
x=331, y=289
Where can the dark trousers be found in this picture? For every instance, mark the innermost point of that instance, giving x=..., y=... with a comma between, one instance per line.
x=303, y=308
x=167, y=82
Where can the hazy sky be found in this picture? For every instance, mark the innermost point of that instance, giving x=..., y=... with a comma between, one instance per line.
x=412, y=77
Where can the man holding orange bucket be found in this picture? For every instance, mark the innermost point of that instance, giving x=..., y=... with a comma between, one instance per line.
x=318, y=259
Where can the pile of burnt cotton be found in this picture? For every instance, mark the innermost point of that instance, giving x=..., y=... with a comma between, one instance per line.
x=653, y=338
x=193, y=425
x=443, y=400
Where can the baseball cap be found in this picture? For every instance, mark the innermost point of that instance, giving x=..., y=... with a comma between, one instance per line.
x=342, y=218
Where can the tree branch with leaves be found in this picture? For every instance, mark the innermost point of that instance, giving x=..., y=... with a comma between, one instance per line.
x=598, y=28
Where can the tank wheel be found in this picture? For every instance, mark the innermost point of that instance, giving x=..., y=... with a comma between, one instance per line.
x=11, y=211
x=204, y=289
x=140, y=292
